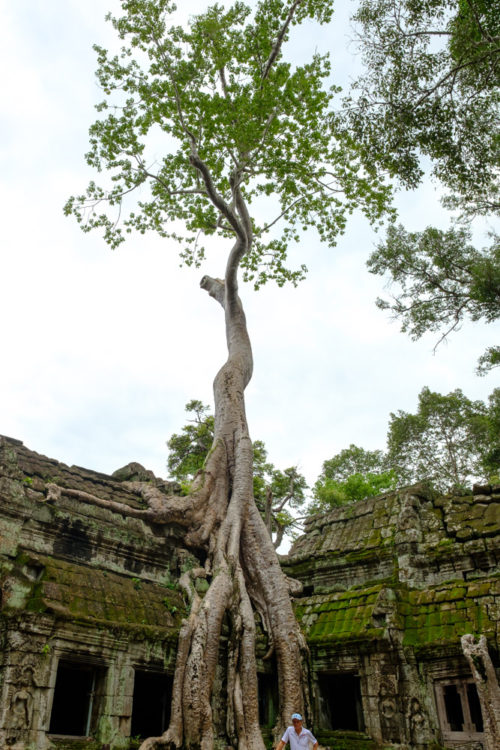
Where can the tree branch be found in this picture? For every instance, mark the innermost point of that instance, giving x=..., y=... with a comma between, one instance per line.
x=279, y=39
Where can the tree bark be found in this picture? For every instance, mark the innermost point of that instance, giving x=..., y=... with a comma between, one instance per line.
x=487, y=686
x=242, y=568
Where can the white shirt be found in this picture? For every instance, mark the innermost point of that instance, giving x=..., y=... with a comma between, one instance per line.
x=298, y=741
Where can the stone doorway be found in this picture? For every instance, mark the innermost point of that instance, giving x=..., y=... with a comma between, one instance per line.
x=151, y=703
x=268, y=698
x=77, y=695
x=341, y=705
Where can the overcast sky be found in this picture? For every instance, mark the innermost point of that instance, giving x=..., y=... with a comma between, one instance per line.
x=100, y=350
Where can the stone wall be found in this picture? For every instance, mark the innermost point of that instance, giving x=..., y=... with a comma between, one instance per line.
x=390, y=586
x=90, y=596
x=84, y=587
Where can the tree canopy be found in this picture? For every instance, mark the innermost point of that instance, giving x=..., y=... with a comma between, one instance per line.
x=349, y=476
x=232, y=113
x=449, y=441
x=430, y=89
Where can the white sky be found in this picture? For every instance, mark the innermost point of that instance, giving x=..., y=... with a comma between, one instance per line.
x=101, y=350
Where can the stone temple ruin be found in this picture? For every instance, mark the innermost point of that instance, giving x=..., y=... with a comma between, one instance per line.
x=90, y=612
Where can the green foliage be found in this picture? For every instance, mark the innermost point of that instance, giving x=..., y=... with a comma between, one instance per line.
x=351, y=475
x=450, y=441
x=169, y=606
x=442, y=280
x=431, y=88
x=353, y=460
x=220, y=93
x=189, y=448
x=276, y=492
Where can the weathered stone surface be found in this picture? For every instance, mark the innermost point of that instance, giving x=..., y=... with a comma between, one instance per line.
x=392, y=584
x=79, y=584
x=389, y=587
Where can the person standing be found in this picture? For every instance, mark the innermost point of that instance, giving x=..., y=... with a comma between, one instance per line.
x=298, y=737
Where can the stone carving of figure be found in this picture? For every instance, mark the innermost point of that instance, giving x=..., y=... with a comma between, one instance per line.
x=388, y=712
x=21, y=707
x=417, y=723
x=21, y=704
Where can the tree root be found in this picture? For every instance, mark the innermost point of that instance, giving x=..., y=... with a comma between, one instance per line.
x=483, y=671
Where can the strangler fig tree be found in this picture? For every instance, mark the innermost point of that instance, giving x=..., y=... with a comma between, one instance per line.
x=242, y=124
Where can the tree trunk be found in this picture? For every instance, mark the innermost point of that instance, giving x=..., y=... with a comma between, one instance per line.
x=487, y=686
x=243, y=572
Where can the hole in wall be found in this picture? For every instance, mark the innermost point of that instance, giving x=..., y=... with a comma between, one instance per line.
x=340, y=702
x=151, y=703
x=77, y=696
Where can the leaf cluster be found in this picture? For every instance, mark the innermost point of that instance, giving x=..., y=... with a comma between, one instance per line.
x=441, y=280
x=431, y=87
x=220, y=92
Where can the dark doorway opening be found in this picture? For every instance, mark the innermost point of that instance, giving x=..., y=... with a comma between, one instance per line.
x=475, y=707
x=151, y=703
x=340, y=698
x=77, y=695
x=268, y=699
x=453, y=705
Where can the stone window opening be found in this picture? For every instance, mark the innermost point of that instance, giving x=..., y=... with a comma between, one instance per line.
x=340, y=703
x=268, y=698
x=151, y=703
x=77, y=699
x=459, y=710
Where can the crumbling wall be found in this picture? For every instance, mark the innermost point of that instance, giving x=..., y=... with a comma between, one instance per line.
x=80, y=586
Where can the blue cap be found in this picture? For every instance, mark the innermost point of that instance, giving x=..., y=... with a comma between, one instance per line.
x=296, y=716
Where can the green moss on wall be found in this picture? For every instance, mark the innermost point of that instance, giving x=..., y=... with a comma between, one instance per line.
x=89, y=594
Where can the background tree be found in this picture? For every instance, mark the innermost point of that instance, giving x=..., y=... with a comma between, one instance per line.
x=277, y=493
x=450, y=442
x=447, y=441
x=351, y=475
x=431, y=88
x=189, y=448
x=239, y=124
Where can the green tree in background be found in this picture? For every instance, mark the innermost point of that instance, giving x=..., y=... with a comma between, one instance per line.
x=450, y=442
x=189, y=448
x=277, y=493
x=351, y=475
x=430, y=88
